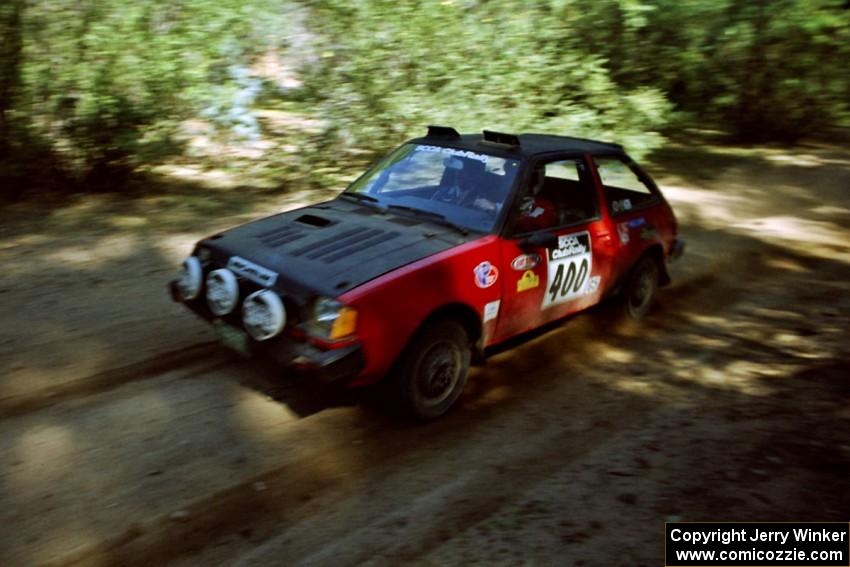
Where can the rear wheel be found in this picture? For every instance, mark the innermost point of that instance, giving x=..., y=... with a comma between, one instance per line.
x=640, y=291
x=432, y=371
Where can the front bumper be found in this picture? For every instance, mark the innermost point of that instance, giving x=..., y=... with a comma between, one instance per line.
x=336, y=365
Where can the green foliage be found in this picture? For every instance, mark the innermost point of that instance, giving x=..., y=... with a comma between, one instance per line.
x=107, y=82
x=387, y=68
x=769, y=69
x=91, y=89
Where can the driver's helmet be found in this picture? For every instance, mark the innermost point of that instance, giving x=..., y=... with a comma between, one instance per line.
x=536, y=182
x=535, y=211
x=463, y=178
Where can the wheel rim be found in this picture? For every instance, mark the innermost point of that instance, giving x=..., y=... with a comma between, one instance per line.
x=439, y=373
x=642, y=291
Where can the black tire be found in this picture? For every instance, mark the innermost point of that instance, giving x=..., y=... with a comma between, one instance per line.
x=432, y=372
x=641, y=288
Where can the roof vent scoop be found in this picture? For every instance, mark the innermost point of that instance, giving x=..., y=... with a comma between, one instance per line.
x=501, y=138
x=442, y=132
x=313, y=220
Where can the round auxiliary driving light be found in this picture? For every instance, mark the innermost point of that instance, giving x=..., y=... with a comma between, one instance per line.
x=191, y=279
x=263, y=314
x=222, y=291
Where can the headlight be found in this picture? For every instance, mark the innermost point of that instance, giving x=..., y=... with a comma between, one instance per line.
x=333, y=320
x=222, y=291
x=191, y=278
x=263, y=314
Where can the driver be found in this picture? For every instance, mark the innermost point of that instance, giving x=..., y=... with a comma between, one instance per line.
x=535, y=211
x=459, y=181
x=496, y=188
x=469, y=184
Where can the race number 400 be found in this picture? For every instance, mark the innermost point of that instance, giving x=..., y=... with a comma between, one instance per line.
x=569, y=269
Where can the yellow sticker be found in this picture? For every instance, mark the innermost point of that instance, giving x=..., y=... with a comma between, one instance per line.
x=529, y=280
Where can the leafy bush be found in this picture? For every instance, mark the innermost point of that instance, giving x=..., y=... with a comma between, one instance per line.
x=92, y=88
x=768, y=69
x=108, y=82
x=387, y=68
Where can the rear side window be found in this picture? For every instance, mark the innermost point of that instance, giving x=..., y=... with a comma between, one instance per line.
x=623, y=187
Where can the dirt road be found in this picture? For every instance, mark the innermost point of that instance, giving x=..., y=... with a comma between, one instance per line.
x=130, y=438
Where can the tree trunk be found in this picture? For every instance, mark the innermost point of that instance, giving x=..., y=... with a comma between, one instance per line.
x=10, y=65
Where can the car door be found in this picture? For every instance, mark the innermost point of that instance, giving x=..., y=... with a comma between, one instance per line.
x=561, y=264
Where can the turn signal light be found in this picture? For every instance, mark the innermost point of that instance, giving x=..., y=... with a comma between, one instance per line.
x=345, y=324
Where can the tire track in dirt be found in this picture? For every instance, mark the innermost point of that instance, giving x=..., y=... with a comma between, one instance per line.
x=268, y=495
x=373, y=492
x=453, y=499
x=112, y=378
x=93, y=468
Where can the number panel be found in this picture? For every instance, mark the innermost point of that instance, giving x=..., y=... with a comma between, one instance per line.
x=568, y=267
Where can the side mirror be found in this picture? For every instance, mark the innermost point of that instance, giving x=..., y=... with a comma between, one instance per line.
x=537, y=240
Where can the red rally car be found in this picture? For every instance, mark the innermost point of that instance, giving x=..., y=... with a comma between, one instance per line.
x=449, y=245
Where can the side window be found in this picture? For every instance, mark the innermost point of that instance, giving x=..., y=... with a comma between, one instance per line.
x=567, y=170
x=623, y=188
x=560, y=193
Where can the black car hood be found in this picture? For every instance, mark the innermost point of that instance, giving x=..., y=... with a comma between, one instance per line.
x=333, y=247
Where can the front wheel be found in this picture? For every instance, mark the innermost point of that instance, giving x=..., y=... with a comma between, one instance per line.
x=432, y=371
x=641, y=288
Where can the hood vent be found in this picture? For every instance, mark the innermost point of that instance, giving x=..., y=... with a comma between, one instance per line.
x=345, y=244
x=404, y=221
x=281, y=236
x=313, y=220
x=329, y=241
x=367, y=211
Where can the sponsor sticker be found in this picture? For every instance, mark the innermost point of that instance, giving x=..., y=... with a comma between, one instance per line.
x=525, y=262
x=486, y=274
x=491, y=310
x=453, y=152
x=529, y=280
x=622, y=205
x=624, y=228
x=623, y=232
x=252, y=271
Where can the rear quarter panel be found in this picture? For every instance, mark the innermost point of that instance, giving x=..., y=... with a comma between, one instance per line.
x=637, y=231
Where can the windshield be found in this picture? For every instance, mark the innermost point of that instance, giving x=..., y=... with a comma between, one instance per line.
x=461, y=187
